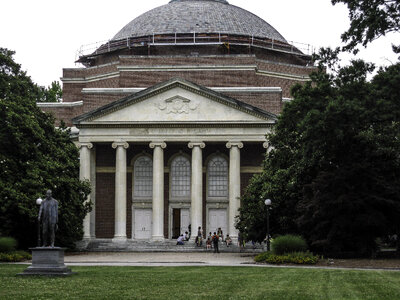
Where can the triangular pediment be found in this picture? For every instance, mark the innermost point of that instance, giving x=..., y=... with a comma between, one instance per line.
x=176, y=101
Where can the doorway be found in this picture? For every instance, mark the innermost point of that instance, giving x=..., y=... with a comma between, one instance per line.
x=180, y=221
x=142, y=224
x=217, y=218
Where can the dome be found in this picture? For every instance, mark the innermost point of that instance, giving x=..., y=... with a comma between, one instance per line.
x=200, y=16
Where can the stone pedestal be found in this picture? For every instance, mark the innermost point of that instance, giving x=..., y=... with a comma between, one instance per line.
x=47, y=261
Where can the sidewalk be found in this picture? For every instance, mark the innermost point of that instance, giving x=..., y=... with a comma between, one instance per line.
x=168, y=259
x=158, y=259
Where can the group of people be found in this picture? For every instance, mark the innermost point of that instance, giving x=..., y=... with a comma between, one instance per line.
x=212, y=239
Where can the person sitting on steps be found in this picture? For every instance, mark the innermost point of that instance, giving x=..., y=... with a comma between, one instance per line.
x=208, y=243
x=180, y=240
x=220, y=234
x=228, y=240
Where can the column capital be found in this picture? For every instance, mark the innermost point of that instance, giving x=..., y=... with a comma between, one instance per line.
x=120, y=144
x=267, y=146
x=191, y=145
x=229, y=145
x=158, y=144
x=88, y=145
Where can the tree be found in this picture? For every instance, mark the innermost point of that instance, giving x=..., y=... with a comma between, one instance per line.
x=370, y=19
x=53, y=93
x=35, y=156
x=334, y=171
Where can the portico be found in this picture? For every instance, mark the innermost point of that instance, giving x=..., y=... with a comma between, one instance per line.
x=174, y=154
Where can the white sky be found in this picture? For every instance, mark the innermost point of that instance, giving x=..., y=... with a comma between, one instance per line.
x=46, y=34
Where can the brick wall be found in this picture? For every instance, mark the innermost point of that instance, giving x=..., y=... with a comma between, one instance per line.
x=63, y=114
x=105, y=205
x=244, y=181
x=264, y=60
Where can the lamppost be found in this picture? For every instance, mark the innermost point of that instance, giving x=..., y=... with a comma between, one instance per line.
x=38, y=202
x=268, y=203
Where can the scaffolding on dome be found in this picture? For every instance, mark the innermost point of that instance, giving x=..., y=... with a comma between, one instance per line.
x=87, y=52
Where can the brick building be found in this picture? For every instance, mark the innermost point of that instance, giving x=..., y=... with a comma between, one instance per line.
x=171, y=117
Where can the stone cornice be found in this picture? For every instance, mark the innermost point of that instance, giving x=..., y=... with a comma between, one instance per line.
x=129, y=91
x=59, y=104
x=283, y=75
x=90, y=78
x=175, y=125
x=191, y=68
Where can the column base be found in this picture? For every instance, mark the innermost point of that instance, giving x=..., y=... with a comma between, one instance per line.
x=83, y=244
x=119, y=239
x=157, y=238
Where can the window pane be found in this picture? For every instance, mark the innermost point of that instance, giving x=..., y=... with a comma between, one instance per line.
x=180, y=177
x=143, y=177
x=218, y=177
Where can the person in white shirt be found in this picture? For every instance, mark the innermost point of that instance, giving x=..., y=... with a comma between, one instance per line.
x=180, y=240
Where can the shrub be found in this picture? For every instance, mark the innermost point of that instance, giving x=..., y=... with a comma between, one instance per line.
x=302, y=258
x=15, y=256
x=7, y=244
x=288, y=244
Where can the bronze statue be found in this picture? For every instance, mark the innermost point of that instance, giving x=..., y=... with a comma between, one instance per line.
x=48, y=216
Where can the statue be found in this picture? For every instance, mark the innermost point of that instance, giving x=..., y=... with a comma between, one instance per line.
x=48, y=216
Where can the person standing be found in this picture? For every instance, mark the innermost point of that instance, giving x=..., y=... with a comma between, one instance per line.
x=215, y=240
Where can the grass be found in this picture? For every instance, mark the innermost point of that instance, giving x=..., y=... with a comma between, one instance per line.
x=201, y=283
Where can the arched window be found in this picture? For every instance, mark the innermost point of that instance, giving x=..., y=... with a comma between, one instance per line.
x=180, y=177
x=218, y=177
x=143, y=177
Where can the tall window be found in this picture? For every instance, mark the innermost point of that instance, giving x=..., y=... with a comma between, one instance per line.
x=143, y=177
x=218, y=177
x=180, y=177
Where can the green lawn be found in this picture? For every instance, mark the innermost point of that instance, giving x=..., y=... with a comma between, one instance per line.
x=201, y=283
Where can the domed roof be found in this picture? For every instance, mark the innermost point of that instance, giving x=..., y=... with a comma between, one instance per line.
x=200, y=16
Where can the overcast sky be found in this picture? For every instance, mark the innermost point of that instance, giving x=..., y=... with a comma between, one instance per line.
x=46, y=34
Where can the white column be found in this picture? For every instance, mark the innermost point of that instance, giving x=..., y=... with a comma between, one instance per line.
x=234, y=186
x=120, y=191
x=196, y=210
x=158, y=191
x=84, y=174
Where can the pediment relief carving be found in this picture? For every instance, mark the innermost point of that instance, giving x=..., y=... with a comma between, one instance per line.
x=177, y=105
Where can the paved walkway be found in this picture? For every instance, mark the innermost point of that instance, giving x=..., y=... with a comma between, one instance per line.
x=169, y=259
x=159, y=259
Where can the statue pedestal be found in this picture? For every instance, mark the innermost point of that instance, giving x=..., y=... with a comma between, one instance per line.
x=47, y=261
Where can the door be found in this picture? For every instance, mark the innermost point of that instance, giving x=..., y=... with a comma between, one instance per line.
x=142, y=223
x=217, y=217
x=185, y=220
x=176, y=223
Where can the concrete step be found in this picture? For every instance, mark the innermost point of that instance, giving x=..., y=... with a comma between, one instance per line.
x=107, y=245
